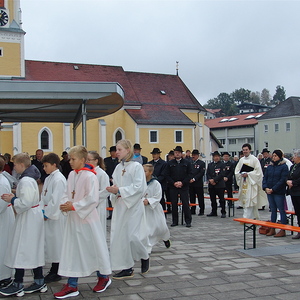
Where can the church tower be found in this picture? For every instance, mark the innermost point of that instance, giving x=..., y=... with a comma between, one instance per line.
x=12, y=62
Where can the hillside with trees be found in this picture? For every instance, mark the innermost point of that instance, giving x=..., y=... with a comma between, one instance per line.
x=228, y=102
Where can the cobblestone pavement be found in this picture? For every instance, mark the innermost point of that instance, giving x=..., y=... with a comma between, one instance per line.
x=204, y=262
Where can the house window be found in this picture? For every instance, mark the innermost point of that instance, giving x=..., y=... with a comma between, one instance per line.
x=242, y=141
x=178, y=136
x=222, y=141
x=250, y=140
x=45, y=139
x=232, y=141
x=266, y=128
x=118, y=136
x=287, y=126
x=1, y=51
x=153, y=136
x=267, y=144
x=276, y=127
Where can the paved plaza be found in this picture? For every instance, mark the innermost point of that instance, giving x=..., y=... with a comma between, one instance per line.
x=206, y=262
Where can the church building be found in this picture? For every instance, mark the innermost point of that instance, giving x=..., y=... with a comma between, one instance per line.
x=158, y=110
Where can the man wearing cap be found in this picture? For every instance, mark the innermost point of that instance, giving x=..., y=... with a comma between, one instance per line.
x=228, y=176
x=248, y=173
x=266, y=160
x=178, y=173
x=216, y=184
x=196, y=183
x=110, y=165
x=65, y=164
x=159, y=166
x=137, y=155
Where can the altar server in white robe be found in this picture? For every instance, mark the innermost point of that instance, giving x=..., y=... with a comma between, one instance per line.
x=251, y=194
x=26, y=244
x=155, y=217
x=53, y=190
x=129, y=238
x=97, y=161
x=7, y=219
x=84, y=248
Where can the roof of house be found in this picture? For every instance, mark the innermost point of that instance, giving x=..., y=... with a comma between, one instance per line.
x=287, y=108
x=246, y=104
x=234, y=121
x=160, y=96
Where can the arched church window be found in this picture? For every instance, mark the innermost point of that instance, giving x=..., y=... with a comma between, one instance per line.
x=45, y=140
x=118, y=136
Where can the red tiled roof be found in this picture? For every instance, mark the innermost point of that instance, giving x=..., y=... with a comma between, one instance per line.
x=238, y=120
x=160, y=96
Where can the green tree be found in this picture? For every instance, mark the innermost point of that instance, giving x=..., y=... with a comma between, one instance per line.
x=224, y=102
x=279, y=95
x=265, y=97
x=240, y=96
x=255, y=97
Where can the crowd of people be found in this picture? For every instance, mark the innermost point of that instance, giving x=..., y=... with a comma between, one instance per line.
x=57, y=208
x=62, y=221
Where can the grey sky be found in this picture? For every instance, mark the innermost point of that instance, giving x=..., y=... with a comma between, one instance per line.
x=220, y=45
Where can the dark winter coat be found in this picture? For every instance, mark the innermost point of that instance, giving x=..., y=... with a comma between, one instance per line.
x=275, y=177
x=294, y=175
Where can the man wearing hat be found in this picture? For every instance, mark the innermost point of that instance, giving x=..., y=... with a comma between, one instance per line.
x=266, y=160
x=196, y=183
x=228, y=176
x=178, y=173
x=65, y=164
x=216, y=184
x=137, y=155
x=159, y=166
x=110, y=165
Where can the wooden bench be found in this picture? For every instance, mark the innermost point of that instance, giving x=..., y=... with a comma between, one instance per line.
x=230, y=204
x=180, y=204
x=250, y=224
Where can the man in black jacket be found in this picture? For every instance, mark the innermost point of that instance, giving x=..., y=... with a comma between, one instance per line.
x=179, y=173
x=159, y=166
x=196, y=183
x=216, y=185
x=266, y=160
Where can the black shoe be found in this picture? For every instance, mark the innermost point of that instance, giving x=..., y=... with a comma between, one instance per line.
x=201, y=214
x=296, y=237
x=167, y=243
x=240, y=207
x=145, y=265
x=5, y=283
x=52, y=277
x=212, y=215
x=124, y=274
x=174, y=224
x=34, y=287
x=13, y=289
x=108, y=218
x=188, y=225
x=223, y=216
x=263, y=208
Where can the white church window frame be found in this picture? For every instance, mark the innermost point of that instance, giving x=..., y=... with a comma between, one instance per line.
x=50, y=139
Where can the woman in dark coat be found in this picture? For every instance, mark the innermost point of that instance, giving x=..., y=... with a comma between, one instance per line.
x=293, y=182
x=274, y=184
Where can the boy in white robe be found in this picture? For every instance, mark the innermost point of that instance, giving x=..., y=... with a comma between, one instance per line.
x=7, y=219
x=26, y=245
x=155, y=217
x=129, y=236
x=53, y=190
x=84, y=248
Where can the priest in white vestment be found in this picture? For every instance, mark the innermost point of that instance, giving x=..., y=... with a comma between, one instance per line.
x=251, y=194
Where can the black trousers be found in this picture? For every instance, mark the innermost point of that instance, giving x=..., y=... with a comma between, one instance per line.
x=197, y=190
x=296, y=204
x=213, y=193
x=37, y=274
x=184, y=197
x=229, y=189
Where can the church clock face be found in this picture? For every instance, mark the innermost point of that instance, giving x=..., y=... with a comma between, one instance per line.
x=3, y=18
